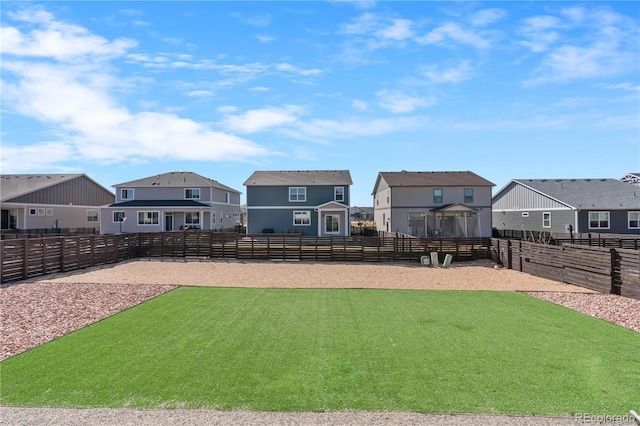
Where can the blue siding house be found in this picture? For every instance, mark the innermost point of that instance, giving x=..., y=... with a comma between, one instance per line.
x=306, y=202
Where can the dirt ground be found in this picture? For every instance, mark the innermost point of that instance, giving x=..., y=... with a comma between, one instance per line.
x=479, y=275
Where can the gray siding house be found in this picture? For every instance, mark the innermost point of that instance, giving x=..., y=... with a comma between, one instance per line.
x=169, y=202
x=307, y=202
x=433, y=204
x=563, y=205
x=45, y=201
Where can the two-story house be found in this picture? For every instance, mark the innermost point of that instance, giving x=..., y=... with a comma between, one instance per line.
x=307, y=202
x=171, y=201
x=433, y=204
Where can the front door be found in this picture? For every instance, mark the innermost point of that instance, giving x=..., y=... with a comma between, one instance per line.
x=332, y=224
x=168, y=221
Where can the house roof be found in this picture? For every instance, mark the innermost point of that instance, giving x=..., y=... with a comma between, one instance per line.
x=299, y=177
x=16, y=185
x=175, y=179
x=455, y=207
x=160, y=203
x=605, y=193
x=453, y=178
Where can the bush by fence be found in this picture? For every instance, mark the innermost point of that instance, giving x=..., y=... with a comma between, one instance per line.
x=607, y=270
x=25, y=258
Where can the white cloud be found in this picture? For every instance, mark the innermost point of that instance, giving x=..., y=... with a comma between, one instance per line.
x=436, y=74
x=262, y=119
x=263, y=38
x=400, y=29
x=41, y=156
x=398, y=102
x=200, y=93
x=360, y=104
x=57, y=40
x=73, y=99
x=487, y=16
x=453, y=31
x=355, y=127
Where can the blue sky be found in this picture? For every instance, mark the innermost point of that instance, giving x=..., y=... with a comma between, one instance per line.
x=126, y=90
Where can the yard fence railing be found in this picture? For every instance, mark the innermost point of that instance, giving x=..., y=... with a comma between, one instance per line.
x=630, y=241
x=611, y=270
x=26, y=258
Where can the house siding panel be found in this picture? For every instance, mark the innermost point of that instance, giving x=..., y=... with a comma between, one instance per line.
x=516, y=196
x=617, y=222
x=79, y=191
x=513, y=220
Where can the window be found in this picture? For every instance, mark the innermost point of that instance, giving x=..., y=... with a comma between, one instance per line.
x=126, y=194
x=41, y=212
x=49, y=212
x=192, y=218
x=338, y=193
x=297, y=193
x=148, y=218
x=92, y=215
x=634, y=220
x=227, y=197
x=525, y=214
x=437, y=195
x=599, y=220
x=302, y=218
x=468, y=195
x=546, y=220
x=33, y=212
x=192, y=193
x=118, y=216
x=388, y=195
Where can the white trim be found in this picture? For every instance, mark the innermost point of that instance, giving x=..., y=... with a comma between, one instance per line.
x=297, y=195
x=147, y=224
x=629, y=219
x=308, y=214
x=277, y=207
x=544, y=213
x=133, y=194
x=192, y=189
x=335, y=194
x=539, y=209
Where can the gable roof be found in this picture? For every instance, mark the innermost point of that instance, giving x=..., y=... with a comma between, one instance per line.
x=454, y=178
x=605, y=193
x=18, y=185
x=175, y=179
x=633, y=178
x=299, y=177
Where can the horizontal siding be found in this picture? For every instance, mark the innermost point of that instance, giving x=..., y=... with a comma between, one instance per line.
x=518, y=197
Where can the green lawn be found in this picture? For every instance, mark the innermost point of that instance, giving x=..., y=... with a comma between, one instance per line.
x=330, y=349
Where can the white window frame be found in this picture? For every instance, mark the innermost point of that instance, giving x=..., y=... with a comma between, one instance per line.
x=300, y=195
x=148, y=215
x=91, y=215
x=304, y=217
x=546, y=218
x=599, y=213
x=467, y=198
x=188, y=218
x=126, y=191
x=33, y=211
x=42, y=211
x=49, y=212
x=194, y=195
x=116, y=216
x=338, y=193
x=525, y=214
x=438, y=199
x=637, y=220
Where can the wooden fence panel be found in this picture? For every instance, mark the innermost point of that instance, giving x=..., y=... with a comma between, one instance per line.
x=542, y=260
x=627, y=271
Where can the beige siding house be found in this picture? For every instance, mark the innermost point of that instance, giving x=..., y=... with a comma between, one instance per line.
x=433, y=204
x=171, y=201
x=52, y=201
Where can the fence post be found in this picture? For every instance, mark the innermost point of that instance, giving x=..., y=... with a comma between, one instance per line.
x=25, y=259
x=62, y=254
x=615, y=289
x=509, y=255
